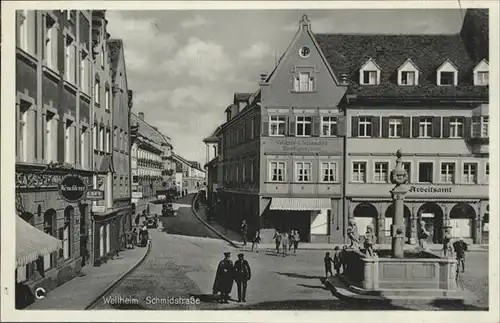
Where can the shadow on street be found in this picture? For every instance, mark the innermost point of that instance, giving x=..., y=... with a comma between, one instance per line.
x=294, y=275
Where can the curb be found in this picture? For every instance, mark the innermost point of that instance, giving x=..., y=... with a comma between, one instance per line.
x=223, y=237
x=118, y=280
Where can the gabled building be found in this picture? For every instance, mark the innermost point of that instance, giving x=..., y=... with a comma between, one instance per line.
x=314, y=146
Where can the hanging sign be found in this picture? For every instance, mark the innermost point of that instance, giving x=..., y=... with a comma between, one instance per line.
x=72, y=188
x=94, y=195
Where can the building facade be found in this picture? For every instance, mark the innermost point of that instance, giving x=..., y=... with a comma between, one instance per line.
x=189, y=177
x=102, y=129
x=428, y=95
x=54, y=105
x=148, y=148
x=353, y=100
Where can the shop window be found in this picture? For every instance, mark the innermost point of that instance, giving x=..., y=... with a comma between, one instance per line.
x=359, y=172
x=425, y=172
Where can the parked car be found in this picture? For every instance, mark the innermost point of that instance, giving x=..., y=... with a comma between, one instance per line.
x=152, y=222
x=168, y=210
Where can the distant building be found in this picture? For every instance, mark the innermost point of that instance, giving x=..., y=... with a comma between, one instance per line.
x=189, y=175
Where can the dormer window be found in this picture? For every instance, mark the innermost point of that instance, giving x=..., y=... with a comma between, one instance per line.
x=408, y=74
x=369, y=73
x=447, y=74
x=481, y=73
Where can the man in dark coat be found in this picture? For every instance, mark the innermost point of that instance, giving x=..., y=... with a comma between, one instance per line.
x=242, y=275
x=224, y=278
x=460, y=247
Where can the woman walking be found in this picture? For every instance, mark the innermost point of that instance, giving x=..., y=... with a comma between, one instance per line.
x=277, y=240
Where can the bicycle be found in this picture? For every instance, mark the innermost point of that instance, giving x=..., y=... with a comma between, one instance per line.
x=459, y=279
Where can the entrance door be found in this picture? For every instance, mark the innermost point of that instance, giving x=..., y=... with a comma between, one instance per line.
x=365, y=214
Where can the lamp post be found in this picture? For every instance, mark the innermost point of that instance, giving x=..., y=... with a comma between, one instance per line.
x=399, y=177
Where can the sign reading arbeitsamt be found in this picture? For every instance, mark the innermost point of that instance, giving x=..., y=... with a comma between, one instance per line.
x=72, y=188
x=94, y=195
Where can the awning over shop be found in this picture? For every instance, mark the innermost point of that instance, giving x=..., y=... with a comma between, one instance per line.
x=300, y=204
x=32, y=243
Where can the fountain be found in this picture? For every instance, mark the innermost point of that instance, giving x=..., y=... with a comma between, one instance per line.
x=398, y=273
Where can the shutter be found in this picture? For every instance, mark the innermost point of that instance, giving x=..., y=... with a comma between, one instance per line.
x=291, y=125
x=467, y=127
x=405, y=127
x=316, y=126
x=436, y=127
x=415, y=126
x=287, y=126
x=341, y=126
x=375, y=127
x=464, y=133
x=354, y=126
x=265, y=127
x=385, y=127
x=446, y=127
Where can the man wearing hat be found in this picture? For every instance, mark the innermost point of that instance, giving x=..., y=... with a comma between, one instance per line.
x=224, y=278
x=242, y=275
x=460, y=247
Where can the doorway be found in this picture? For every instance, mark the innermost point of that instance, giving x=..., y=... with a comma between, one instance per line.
x=365, y=214
x=432, y=215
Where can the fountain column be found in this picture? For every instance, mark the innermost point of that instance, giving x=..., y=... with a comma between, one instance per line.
x=399, y=177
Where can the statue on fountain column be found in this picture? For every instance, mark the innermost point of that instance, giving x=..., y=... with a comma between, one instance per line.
x=369, y=241
x=423, y=235
x=352, y=234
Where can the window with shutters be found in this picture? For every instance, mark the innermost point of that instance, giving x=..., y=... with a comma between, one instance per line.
x=303, y=171
x=303, y=126
x=277, y=171
x=365, y=127
x=381, y=172
x=359, y=172
x=329, y=172
x=447, y=173
x=277, y=125
x=456, y=127
x=425, y=172
x=69, y=142
x=395, y=128
x=328, y=126
x=51, y=143
x=469, y=175
x=425, y=127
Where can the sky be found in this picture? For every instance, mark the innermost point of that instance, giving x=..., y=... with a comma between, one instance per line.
x=184, y=66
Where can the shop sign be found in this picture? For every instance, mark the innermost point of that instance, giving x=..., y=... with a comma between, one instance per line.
x=161, y=197
x=137, y=195
x=72, y=188
x=429, y=189
x=95, y=195
x=135, y=201
x=98, y=208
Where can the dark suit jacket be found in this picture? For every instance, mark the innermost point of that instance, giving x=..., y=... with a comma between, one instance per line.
x=242, y=270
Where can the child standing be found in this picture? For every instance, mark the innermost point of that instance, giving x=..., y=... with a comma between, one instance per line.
x=328, y=264
x=255, y=241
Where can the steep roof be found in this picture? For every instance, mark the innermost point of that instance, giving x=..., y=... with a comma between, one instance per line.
x=346, y=53
x=148, y=131
x=242, y=96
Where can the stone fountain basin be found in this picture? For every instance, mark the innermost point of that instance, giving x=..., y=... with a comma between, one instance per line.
x=419, y=275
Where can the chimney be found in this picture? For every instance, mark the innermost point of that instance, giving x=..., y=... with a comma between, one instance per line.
x=263, y=78
x=343, y=79
x=141, y=115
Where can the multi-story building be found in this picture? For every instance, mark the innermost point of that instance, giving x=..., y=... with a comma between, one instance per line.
x=281, y=153
x=54, y=105
x=102, y=141
x=121, y=110
x=189, y=177
x=148, y=147
x=427, y=95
